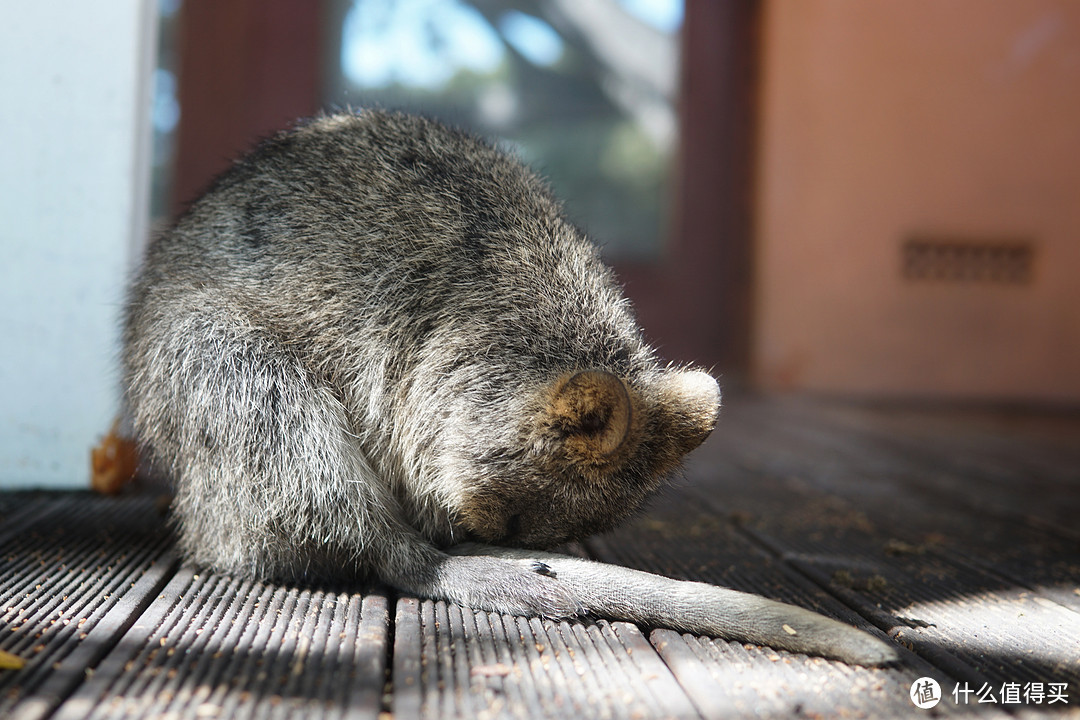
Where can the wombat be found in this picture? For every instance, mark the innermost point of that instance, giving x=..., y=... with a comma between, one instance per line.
x=376, y=346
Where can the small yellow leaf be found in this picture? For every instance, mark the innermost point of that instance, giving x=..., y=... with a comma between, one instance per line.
x=10, y=662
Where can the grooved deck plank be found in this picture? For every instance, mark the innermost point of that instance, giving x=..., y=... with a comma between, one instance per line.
x=213, y=646
x=727, y=679
x=452, y=662
x=73, y=577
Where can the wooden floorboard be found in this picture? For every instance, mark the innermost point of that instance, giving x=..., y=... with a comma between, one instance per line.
x=730, y=679
x=452, y=662
x=76, y=571
x=951, y=531
x=212, y=646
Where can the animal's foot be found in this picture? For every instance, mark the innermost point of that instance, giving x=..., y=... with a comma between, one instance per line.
x=528, y=589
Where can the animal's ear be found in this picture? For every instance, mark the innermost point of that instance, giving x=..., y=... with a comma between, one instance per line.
x=691, y=401
x=593, y=414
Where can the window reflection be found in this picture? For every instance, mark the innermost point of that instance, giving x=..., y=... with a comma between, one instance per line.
x=164, y=111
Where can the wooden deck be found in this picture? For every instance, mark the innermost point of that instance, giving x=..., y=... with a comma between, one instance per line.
x=953, y=532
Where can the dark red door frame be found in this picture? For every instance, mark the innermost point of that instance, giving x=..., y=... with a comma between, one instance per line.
x=247, y=69
x=696, y=303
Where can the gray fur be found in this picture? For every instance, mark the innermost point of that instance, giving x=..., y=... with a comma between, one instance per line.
x=376, y=338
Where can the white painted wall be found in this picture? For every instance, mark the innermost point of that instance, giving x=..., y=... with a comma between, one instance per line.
x=74, y=163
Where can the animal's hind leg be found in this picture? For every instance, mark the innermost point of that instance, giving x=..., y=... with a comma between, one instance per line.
x=268, y=480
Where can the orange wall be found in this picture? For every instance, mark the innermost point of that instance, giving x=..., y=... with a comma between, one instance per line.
x=886, y=119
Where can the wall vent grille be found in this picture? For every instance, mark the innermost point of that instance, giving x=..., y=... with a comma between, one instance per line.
x=957, y=260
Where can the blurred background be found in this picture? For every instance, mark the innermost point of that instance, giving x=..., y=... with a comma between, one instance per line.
x=868, y=200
